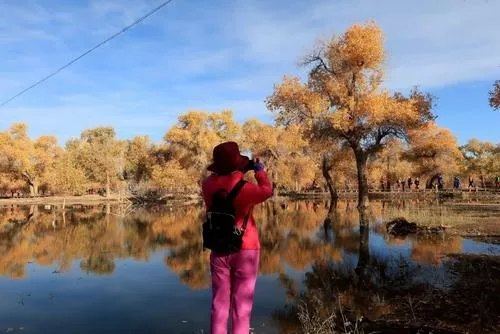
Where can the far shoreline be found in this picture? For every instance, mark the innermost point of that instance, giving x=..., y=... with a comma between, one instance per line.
x=490, y=198
x=60, y=200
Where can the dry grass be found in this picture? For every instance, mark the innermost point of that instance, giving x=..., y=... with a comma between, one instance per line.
x=458, y=222
x=313, y=320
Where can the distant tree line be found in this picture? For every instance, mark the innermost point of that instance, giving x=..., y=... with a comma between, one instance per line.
x=98, y=162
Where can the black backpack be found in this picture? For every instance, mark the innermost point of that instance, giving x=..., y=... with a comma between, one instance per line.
x=220, y=232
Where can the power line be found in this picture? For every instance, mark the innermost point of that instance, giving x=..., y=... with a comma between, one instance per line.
x=139, y=20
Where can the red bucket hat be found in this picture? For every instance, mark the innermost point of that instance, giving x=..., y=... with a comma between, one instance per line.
x=227, y=158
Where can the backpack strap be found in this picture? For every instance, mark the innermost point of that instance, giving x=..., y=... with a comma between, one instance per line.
x=245, y=221
x=232, y=195
x=236, y=189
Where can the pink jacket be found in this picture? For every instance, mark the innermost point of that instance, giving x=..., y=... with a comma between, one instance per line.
x=250, y=195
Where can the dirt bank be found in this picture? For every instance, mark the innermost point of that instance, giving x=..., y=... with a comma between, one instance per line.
x=466, y=219
x=59, y=200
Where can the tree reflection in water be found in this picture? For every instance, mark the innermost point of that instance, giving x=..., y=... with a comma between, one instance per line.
x=293, y=235
x=55, y=237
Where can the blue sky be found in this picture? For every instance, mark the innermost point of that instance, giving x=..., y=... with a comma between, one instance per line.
x=212, y=55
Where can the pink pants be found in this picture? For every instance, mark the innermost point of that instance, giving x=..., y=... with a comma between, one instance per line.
x=233, y=284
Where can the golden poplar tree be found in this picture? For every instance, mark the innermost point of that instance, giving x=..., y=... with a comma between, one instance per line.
x=190, y=143
x=482, y=159
x=434, y=150
x=67, y=179
x=27, y=160
x=343, y=99
x=139, y=159
x=100, y=154
x=287, y=156
x=390, y=165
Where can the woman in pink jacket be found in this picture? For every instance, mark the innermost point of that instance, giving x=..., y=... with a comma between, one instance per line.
x=234, y=275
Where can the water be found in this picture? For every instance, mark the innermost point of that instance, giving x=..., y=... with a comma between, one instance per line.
x=98, y=269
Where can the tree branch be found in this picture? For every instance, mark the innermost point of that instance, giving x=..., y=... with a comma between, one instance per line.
x=318, y=63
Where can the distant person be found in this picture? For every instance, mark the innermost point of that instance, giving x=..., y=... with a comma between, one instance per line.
x=497, y=182
x=417, y=183
x=410, y=183
x=440, y=183
x=403, y=184
x=456, y=183
x=471, y=182
x=398, y=184
x=231, y=234
x=314, y=186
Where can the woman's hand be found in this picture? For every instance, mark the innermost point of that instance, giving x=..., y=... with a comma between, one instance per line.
x=258, y=166
x=254, y=165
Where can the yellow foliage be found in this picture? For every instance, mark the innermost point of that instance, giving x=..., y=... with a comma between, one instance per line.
x=284, y=151
x=173, y=177
x=99, y=154
x=362, y=46
x=195, y=135
x=482, y=159
x=296, y=171
x=66, y=178
x=140, y=159
x=298, y=102
x=390, y=165
x=25, y=159
x=434, y=150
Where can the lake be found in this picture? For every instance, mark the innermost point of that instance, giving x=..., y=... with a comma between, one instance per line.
x=115, y=269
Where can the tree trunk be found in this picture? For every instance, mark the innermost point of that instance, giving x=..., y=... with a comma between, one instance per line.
x=107, y=185
x=332, y=209
x=269, y=211
x=33, y=214
x=108, y=212
x=33, y=188
x=32, y=183
x=275, y=190
x=274, y=178
x=330, y=219
x=64, y=211
x=329, y=181
x=361, y=159
x=364, y=250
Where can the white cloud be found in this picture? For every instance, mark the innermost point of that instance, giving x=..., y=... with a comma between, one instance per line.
x=430, y=43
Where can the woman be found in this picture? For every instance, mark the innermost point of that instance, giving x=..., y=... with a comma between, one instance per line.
x=234, y=275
